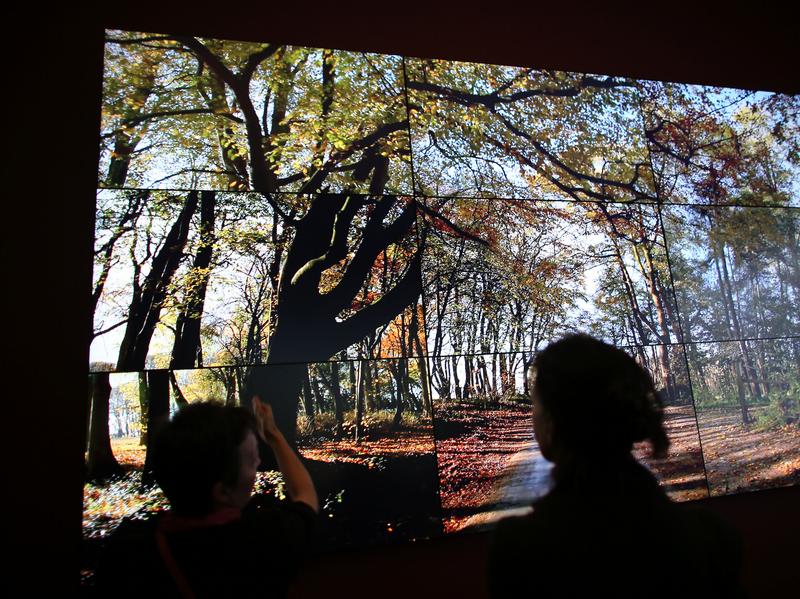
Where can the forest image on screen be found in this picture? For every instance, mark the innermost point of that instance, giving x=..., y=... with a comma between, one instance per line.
x=379, y=245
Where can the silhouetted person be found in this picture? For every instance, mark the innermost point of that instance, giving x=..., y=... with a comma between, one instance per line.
x=606, y=529
x=216, y=541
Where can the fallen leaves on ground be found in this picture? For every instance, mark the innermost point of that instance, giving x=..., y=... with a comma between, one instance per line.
x=743, y=458
x=416, y=440
x=473, y=447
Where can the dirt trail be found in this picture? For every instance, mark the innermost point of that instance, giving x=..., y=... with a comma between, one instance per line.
x=476, y=447
x=490, y=465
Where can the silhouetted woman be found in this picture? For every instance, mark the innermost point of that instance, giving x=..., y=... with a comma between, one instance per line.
x=606, y=528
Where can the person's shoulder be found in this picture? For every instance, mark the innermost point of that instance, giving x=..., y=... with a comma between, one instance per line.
x=293, y=522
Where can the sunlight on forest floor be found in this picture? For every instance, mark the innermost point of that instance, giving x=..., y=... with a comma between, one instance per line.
x=740, y=458
x=415, y=440
x=129, y=452
x=105, y=505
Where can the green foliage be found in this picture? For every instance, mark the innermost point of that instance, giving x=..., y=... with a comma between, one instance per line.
x=270, y=482
x=781, y=408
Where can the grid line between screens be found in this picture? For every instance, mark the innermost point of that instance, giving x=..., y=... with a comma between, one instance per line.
x=422, y=196
x=679, y=316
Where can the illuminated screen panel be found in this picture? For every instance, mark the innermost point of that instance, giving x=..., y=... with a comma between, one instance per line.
x=185, y=112
x=747, y=410
x=715, y=145
x=188, y=279
x=733, y=270
x=513, y=275
x=483, y=130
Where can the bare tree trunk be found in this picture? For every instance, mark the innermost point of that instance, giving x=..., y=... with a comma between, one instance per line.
x=337, y=398
x=180, y=399
x=359, y=397
x=369, y=396
x=740, y=392
x=187, y=349
x=469, y=382
x=456, y=382
x=145, y=309
x=308, y=399
x=100, y=461
x=229, y=381
x=157, y=382
x=144, y=408
x=422, y=364
x=402, y=393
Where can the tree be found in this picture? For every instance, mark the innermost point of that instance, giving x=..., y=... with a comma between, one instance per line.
x=187, y=350
x=100, y=461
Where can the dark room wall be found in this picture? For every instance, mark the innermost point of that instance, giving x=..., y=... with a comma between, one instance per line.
x=52, y=98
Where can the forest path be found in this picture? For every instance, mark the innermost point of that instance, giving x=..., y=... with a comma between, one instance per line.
x=487, y=461
x=490, y=465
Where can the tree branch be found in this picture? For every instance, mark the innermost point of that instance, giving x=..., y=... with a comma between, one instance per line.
x=450, y=224
x=381, y=312
x=491, y=100
x=256, y=59
x=375, y=239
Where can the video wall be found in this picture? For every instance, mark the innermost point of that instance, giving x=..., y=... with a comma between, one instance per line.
x=379, y=245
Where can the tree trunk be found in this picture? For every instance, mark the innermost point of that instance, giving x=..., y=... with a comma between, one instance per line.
x=401, y=378
x=126, y=138
x=180, y=399
x=144, y=408
x=187, y=349
x=229, y=381
x=100, y=461
x=441, y=377
x=456, y=382
x=425, y=385
x=307, y=327
x=308, y=399
x=369, y=395
x=157, y=382
x=145, y=309
x=319, y=398
x=747, y=359
x=505, y=382
x=359, y=397
x=337, y=398
x=740, y=392
x=469, y=383
x=233, y=156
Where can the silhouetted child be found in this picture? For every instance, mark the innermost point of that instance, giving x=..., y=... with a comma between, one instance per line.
x=606, y=528
x=215, y=541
